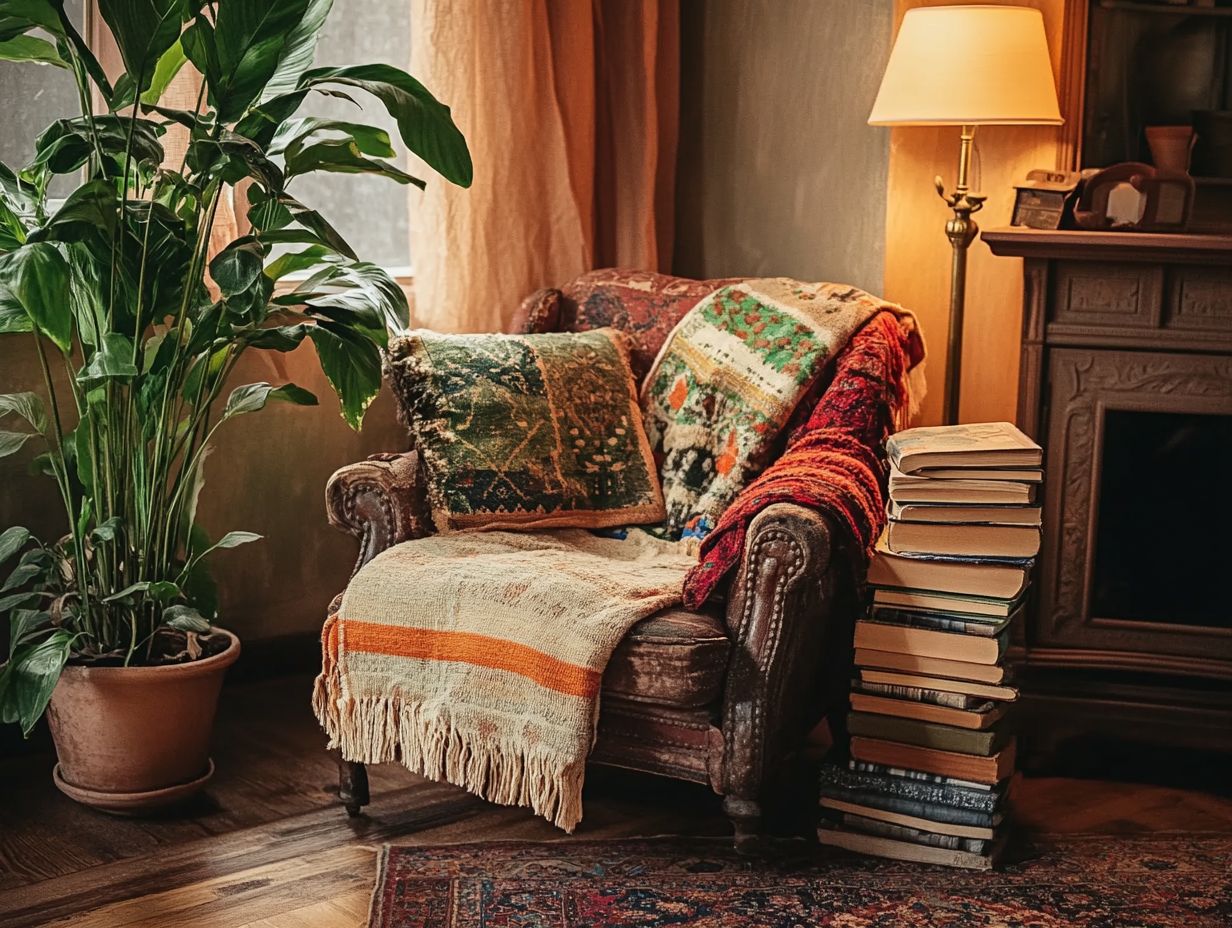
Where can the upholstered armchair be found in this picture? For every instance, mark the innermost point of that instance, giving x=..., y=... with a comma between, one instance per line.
x=721, y=697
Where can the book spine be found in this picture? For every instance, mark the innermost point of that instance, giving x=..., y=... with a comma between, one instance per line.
x=932, y=697
x=938, y=622
x=930, y=735
x=903, y=833
x=934, y=812
x=976, y=800
x=862, y=766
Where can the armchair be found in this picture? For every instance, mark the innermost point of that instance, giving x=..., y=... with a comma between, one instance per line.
x=720, y=697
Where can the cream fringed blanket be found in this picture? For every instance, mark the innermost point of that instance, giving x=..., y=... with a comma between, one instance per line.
x=475, y=658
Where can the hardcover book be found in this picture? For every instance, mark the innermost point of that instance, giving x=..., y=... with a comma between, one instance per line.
x=983, y=626
x=860, y=766
x=1009, y=541
x=997, y=579
x=924, y=788
x=877, y=846
x=924, y=642
x=970, y=719
x=975, y=444
x=908, y=488
x=870, y=676
x=932, y=601
x=933, y=666
x=941, y=819
x=964, y=515
x=928, y=734
x=991, y=770
x=871, y=826
x=922, y=694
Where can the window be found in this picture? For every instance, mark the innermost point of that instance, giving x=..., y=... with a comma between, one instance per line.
x=371, y=212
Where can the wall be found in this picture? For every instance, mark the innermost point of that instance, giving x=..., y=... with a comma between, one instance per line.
x=779, y=172
x=917, y=253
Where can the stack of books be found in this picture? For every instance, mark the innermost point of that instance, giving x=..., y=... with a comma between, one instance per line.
x=931, y=753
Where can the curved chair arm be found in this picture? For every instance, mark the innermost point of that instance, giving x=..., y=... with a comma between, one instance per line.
x=785, y=617
x=381, y=501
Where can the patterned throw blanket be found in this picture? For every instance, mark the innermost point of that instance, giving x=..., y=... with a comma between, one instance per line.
x=833, y=462
x=727, y=381
x=475, y=657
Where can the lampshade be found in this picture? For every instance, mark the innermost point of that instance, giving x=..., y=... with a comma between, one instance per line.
x=968, y=65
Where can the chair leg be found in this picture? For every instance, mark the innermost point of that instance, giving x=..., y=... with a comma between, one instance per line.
x=352, y=786
x=745, y=815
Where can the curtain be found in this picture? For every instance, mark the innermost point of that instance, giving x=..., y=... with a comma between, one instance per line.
x=570, y=110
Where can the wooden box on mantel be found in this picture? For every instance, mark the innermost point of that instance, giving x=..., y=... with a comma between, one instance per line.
x=1126, y=380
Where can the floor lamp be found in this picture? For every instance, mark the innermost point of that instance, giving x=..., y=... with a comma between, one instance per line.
x=966, y=66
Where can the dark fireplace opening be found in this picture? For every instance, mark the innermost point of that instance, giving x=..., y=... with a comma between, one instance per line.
x=1163, y=538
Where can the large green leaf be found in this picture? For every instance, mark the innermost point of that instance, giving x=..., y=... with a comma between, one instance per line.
x=90, y=211
x=11, y=442
x=18, y=17
x=27, y=405
x=292, y=262
x=368, y=139
x=112, y=359
x=67, y=144
x=240, y=51
x=29, y=677
x=143, y=30
x=237, y=266
x=36, y=277
x=352, y=364
x=341, y=156
x=31, y=48
x=168, y=66
x=360, y=292
x=253, y=397
x=12, y=540
x=424, y=123
x=298, y=50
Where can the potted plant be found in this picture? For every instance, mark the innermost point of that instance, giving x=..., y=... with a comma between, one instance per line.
x=138, y=326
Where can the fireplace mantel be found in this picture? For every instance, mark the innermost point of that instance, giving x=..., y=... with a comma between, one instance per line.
x=1118, y=325
x=1080, y=245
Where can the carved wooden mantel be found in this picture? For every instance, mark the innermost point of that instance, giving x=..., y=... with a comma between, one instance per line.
x=1116, y=321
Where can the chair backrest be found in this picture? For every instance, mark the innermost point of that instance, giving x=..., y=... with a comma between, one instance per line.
x=644, y=305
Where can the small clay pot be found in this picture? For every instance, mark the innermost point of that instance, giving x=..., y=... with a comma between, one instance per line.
x=133, y=739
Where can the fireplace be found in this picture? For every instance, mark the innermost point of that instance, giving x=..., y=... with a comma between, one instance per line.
x=1126, y=379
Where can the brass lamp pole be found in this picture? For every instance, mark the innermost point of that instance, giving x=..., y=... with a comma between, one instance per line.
x=1004, y=77
x=961, y=231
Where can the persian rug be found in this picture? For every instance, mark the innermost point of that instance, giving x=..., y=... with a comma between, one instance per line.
x=475, y=657
x=833, y=462
x=1157, y=881
x=527, y=431
x=727, y=381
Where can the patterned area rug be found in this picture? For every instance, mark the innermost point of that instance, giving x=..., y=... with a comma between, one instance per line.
x=1156, y=881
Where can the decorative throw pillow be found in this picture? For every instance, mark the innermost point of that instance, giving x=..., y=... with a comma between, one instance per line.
x=725, y=384
x=520, y=431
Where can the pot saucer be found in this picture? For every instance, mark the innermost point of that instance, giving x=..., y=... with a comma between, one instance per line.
x=133, y=803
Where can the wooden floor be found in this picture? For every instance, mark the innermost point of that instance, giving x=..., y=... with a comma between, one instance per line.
x=268, y=846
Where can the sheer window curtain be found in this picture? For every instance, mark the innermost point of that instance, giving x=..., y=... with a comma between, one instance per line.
x=570, y=109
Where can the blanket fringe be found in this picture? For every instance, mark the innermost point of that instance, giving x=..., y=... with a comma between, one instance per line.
x=500, y=769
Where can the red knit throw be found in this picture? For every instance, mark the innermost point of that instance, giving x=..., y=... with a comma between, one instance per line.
x=835, y=462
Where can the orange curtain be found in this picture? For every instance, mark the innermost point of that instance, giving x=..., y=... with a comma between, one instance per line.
x=570, y=111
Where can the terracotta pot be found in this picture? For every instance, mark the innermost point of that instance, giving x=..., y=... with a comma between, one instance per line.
x=131, y=739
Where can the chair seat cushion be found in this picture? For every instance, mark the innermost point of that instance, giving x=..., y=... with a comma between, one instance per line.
x=674, y=658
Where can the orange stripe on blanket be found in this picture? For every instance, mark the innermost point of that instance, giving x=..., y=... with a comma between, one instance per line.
x=471, y=648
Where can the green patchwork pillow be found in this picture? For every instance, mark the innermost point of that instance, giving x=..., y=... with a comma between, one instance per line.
x=520, y=431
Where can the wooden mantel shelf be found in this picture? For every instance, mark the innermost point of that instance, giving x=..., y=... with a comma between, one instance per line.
x=1080, y=245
